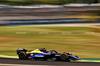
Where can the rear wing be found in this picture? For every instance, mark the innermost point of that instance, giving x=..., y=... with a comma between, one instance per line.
x=20, y=50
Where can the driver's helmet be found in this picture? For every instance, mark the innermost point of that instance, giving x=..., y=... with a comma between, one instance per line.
x=44, y=50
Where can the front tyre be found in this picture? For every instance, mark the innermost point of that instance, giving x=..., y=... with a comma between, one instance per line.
x=64, y=57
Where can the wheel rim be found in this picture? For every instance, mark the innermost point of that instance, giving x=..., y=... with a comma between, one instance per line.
x=63, y=57
x=21, y=56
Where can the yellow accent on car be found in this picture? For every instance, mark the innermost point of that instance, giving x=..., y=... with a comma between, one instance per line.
x=34, y=51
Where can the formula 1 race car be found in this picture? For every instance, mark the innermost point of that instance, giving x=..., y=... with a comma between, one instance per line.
x=43, y=54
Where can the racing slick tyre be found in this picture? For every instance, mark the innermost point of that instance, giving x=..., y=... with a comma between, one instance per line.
x=64, y=57
x=22, y=55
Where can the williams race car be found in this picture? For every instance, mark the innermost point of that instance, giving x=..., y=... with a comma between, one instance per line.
x=44, y=54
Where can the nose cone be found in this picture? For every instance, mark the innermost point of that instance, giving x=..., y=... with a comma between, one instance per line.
x=77, y=58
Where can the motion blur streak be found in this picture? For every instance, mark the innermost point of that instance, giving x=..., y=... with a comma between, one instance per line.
x=62, y=25
x=20, y=65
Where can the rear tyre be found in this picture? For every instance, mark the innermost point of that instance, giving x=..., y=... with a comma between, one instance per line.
x=64, y=57
x=22, y=56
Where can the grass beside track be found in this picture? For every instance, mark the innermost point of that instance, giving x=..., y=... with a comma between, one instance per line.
x=76, y=40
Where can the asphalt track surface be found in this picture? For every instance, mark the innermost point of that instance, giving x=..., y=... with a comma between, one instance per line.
x=31, y=62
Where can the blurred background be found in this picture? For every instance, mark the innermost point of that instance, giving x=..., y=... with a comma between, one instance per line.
x=53, y=2
x=62, y=25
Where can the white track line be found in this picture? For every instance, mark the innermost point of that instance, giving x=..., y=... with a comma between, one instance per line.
x=22, y=65
x=66, y=25
x=9, y=57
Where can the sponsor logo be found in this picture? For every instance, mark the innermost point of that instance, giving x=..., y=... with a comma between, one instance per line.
x=57, y=55
x=39, y=56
